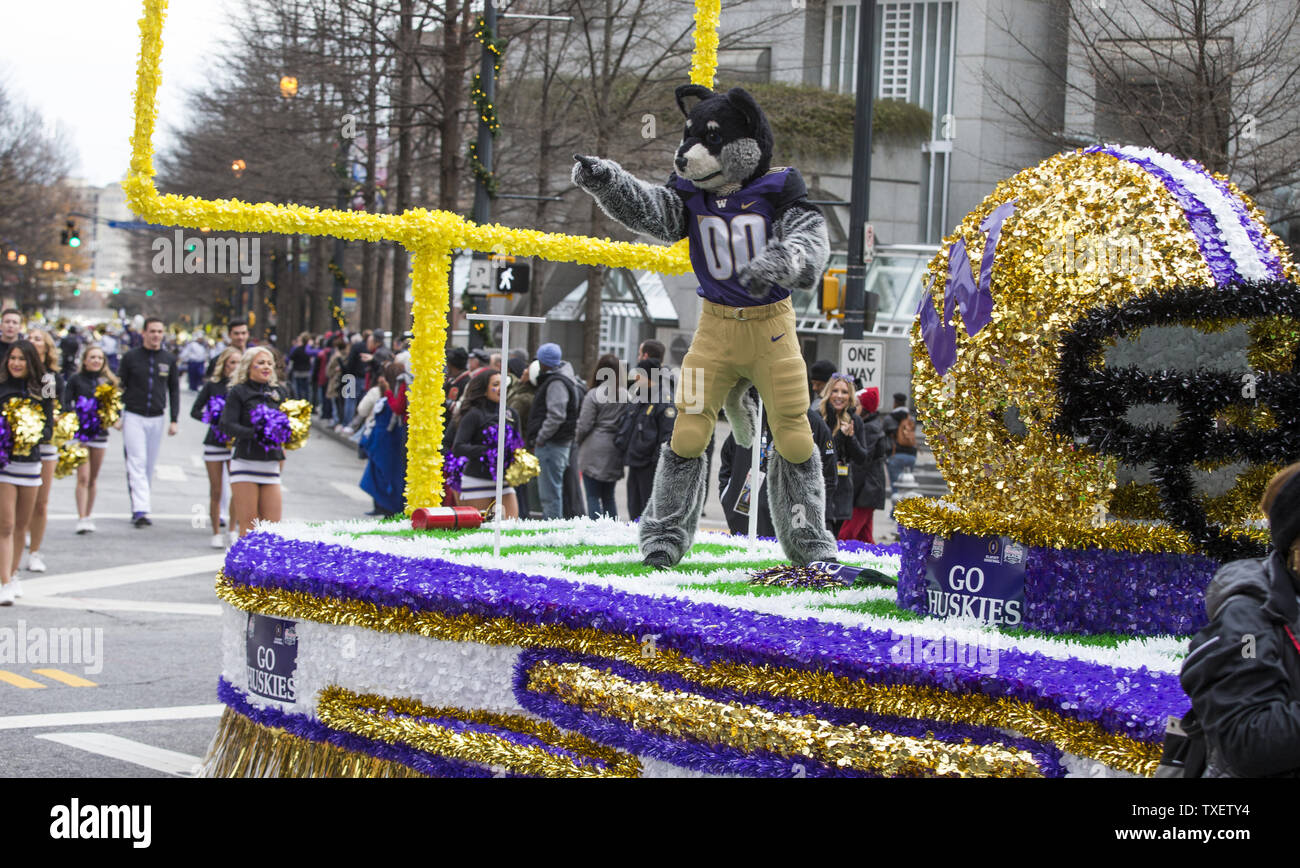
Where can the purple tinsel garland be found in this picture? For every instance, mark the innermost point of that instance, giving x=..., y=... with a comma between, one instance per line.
x=313, y=730
x=1133, y=702
x=89, y=425
x=725, y=760
x=1089, y=590
x=271, y=424
x=1204, y=227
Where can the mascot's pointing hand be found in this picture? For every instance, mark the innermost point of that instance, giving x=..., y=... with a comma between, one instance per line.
x=589, y=172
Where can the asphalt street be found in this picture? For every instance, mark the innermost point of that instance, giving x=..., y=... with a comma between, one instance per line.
x=132, y=692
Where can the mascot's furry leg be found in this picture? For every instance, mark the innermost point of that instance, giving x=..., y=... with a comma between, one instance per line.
x=667, y=528
x=796, y=493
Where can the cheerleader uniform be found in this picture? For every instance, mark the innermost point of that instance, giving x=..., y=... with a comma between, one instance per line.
x=83, y=385
x=50, y=451
x=214, y=447
x=477, y=479
x=25, y=470
x=251, y=462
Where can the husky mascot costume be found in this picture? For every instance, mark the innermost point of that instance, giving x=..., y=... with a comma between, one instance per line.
x=753, y=239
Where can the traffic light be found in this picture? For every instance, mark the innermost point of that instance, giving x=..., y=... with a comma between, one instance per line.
x=76, y=292
x=70, y=236
x=831, y=302
x=148, y=293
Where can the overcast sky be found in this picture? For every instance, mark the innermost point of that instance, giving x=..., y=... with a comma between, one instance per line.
x=76, y=60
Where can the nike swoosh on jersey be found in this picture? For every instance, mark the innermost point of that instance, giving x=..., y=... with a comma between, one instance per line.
x=747, y=204
x=778, y=337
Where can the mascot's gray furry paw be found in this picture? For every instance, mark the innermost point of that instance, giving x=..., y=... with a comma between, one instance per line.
x=742, y=413
x=592, y=173
x=796, y=495
x=668, y=525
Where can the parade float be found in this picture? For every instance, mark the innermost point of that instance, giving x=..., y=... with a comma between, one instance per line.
x=1032, y=623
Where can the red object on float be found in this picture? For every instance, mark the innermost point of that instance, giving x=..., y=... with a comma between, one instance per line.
x=446, y=518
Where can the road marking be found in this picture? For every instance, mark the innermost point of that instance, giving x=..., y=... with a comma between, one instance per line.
x=122, y=715
x=66, y=677
x=19, y=681
x=351, y=491
x=159, y=759
x=125, y=575
x=170, y=473
x=107, y=604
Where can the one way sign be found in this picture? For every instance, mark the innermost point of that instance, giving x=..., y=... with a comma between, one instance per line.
x=865, y=361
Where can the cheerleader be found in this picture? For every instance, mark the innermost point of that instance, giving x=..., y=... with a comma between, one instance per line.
x=49, y=354
x=254, y=468
x=216, y=452
x=20, y=480
x=480, y=412
x=94, y=373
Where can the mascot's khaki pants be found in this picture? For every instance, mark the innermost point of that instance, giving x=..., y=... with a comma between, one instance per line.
x=752, y=343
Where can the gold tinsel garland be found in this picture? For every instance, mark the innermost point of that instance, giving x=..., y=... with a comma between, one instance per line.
x=299, y=413
x=395, y=721
x=930, y=516
x=244, y=749
x=1082, y=738
x=704, y=60
x=753, y=729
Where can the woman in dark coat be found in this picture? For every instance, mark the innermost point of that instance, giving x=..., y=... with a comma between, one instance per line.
x=599, y=460
x=846, y=427
x=869, y=473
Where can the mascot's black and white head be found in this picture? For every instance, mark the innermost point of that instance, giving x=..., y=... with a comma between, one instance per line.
x=727, y=142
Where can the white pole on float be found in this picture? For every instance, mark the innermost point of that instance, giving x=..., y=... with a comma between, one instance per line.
x=505, y=320
x=755, y=474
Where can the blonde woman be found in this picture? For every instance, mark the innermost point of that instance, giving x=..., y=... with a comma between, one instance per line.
x=255, y=465
x=216, y=454
x=837, y=408
x=51, y=387
x=94, y=373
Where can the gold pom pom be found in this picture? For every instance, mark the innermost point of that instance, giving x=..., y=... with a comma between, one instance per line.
x=523, y=467
x=71, y=456
x=65, y=427
x=299, y=413
x=26, y=421
x=109, y=398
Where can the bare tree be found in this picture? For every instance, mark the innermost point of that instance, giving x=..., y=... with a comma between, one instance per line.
x=1217, y=81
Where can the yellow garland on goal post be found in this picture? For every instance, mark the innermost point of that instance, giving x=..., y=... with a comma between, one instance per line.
x=429, y=235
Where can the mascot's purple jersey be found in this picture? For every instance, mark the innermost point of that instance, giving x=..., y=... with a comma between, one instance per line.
x=726, y=232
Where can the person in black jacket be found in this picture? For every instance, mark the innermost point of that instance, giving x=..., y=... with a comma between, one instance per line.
x=1242, y=671
x=846, y=430
x=480, y=410
x=22, y=377
x=869, y=473
x=151, y=386
x=735, y=481
x=216, y=446
x=647, y=425
x=254, y=467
